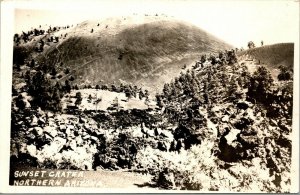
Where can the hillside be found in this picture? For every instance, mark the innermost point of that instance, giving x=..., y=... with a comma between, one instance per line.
x=126, y=49
x=222, y=123
x=271, y=56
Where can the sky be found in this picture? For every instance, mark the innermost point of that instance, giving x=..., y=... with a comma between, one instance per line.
x=235, y=22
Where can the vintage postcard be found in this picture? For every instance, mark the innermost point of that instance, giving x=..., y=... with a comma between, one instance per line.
x=150, y=96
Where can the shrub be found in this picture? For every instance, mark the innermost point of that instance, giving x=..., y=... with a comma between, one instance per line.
x=20, y=54
x=260, y=84
x=251, y=44
x=78, y=99
x=199, y=169
x=284, y=74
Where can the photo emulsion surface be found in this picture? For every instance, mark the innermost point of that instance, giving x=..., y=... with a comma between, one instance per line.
x=146, y=100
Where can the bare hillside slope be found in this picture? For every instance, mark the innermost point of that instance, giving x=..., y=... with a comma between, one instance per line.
x=126, y=49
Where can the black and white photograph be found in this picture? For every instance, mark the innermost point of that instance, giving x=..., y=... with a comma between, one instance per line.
x=151, y=96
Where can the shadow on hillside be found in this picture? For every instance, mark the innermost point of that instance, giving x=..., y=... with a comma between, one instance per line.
x=146, y=185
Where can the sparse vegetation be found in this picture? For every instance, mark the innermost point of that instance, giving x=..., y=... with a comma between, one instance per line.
x=251, y=44
x=215, y=127
x=284, y=74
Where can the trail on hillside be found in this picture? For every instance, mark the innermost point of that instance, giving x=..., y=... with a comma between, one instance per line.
x=79, y=66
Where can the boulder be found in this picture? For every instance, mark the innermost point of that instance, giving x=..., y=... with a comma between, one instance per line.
x=167, y=135
x=38, y=130
x=40, y=112
x=31, y=149
x=243, y=105
x=225, y=118
x=162, y=146
x=222, y=128
x=51, y=122
x=136, y=131
x=41, y=121
x=248, y=141
x=82, y=120
x=57, y=144
x=113, y=163
x=23, y=148
x=62, y=128
x=86, y=126
x=34, y=121
x=79, y=140
x=68, y=132
x=83, y=133
x=20, y=122
x=71, y=127
x=30, y=136
x=94, y=126
x=273, y=122
x=94, y=138
x=232, y=135
x=73, y=144
x=48, y=137
x=27, y=103
x=249, y=131
x=243, y=123
x=236, y=145
x=86, y=137
x=51, y=130
x=150, y=132
x=30, y=129
x=50, y=114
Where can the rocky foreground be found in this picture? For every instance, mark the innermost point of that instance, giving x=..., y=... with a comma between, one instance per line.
x=217, y=127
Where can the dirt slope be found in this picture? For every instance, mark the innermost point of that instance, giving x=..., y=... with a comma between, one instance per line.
x=129, y=49
x=272, y=55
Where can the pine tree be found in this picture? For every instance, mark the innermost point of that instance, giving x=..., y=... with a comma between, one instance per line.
x=67, y=86
x=14, y=91
x=213, y=60
x=32, y=64
x=166, y=89
x=251, y=44
x=113, y=88
x=284, y=74
x=260, y=84
x=115, y=102
x=141, y=94
x=203, y=59
x=147, y=94
x=20, y=102
x=40, y=89
x=67, y=71
x=56, y=105
x=128, y=92
x=53, y=72
x=78, y=99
